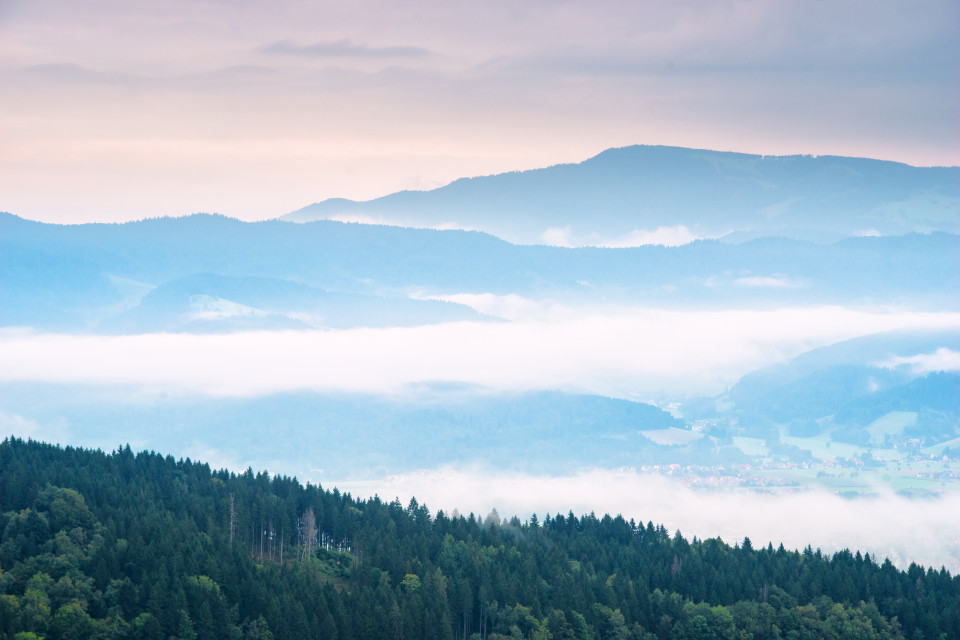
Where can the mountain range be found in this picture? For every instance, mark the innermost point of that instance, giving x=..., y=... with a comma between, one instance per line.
x=608, y=199
x=205, y=273
x=795, y=233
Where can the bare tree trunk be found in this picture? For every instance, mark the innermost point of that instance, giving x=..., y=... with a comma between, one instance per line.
x=310, y=532
x=271, y=534
x=483, y=621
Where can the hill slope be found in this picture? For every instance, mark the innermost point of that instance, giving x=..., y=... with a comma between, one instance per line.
x=126, y=545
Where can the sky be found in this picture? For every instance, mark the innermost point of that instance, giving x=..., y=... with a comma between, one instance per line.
x=122, y=109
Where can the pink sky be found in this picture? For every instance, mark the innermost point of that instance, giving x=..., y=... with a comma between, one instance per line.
x=117, y=110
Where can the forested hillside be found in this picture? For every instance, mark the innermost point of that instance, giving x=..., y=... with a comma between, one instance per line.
x=138, y=545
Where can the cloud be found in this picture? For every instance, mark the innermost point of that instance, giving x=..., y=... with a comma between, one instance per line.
x=671, y=436
x=360, y=218
x=214, y=457
x=926, y=531
x=775, y=282
x=664, y=236
x=940, y=360
x=20, y=427
x=626, y=352
x=325, y=111
x=557, y=237
x=343, y=48
x=509, y=307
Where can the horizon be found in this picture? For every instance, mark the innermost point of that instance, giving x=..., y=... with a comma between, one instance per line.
x=127, y=112
x=375, y=222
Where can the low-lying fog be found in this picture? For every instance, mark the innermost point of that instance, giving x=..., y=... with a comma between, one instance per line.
x=925, y=531
x=631, y=353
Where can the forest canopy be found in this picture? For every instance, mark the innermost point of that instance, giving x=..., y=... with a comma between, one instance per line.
x=140, y=545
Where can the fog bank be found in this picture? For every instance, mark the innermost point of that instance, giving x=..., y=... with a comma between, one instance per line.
x=632, y=353
x=925, y=531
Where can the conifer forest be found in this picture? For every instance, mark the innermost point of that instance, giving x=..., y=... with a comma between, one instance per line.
x=141, y=545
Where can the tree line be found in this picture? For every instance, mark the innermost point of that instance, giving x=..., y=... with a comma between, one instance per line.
x=140, y=545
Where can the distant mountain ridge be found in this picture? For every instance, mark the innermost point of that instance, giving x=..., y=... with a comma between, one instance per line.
x=845, y=387
x=207, y=273
x=605, y=199
x=363, y=435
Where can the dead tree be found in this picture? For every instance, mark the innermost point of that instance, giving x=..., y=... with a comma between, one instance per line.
x=309, y=533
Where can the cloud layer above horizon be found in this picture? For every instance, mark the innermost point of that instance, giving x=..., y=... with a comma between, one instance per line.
x=122, y=110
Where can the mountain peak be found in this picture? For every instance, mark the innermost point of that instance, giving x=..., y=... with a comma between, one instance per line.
x=621, y=196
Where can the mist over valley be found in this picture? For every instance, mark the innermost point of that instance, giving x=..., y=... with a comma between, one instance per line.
x=479, y=321
x=376, y=357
